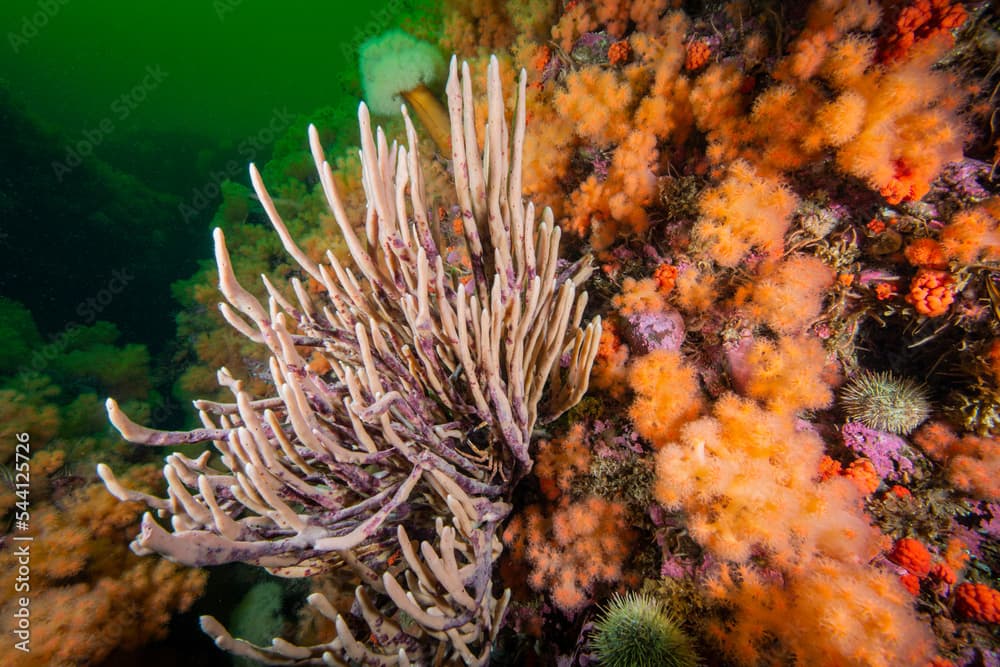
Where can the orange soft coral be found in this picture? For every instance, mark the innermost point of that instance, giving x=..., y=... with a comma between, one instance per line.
x=978, y=602
x=746, y=478
x=910, y=130
x=667, y=396
x=926, y=253
x=639, y=296
x=745, y=211
x=836, y=122
x=826, y=614
x=944, y=573
x=971, y=235
x=974, y=466
x=826, y=22
x=912, y=555
x=666, y=277
x=559, y=461
x=89, y=594
x=847, y=61
x=918, y=22
x=972, y=462
x=619, y=53
x=571, y=549
x=595, y=100
x=911, y=583
x=864, y=476
x=697, y=54
x=610, y=373
x=788, y=296
x=788, y=375
x=931, y=292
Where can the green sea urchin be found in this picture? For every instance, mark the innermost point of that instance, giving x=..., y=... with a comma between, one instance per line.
x=885, y=401
x=635, y=630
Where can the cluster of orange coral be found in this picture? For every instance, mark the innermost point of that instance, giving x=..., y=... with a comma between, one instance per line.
x=621, y=115
x=610, y=372
x=826, y=613
x=658, y=415
x=745, y=478
x=639, y=296
x=860, y=471
x=788, y=295
x=926, y=253
x=745, y=211
x=89, y=594
x=931, y=292
x=572, y=548
x=978, y=602
x=912, y=555
x=619, y=53
x=894, y=127
x=920, y=21
x=973, y=234
x=665, y=277
x=788, y=375
x=559, y=461
x=972, y=462
x=696, y=55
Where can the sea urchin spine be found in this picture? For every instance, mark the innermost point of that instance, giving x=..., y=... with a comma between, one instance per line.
x=885, y=401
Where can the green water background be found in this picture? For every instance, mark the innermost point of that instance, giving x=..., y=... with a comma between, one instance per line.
x=119, y=119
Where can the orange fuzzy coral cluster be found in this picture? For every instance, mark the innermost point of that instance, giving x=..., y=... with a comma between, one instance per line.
x=620, y=116
x=659, y=414
x=826, y=24
x=931, y=292
x=827, y=614
x=972, y=462
x=570, y=550
x=639, y=296
x=893, y=127
x=788, y=295
x=789, y=375
x=695, y=289
x=666, y=277
x=609, y=372
x=926, y=253
x=973, y=234
x=745, y=211
x=978, y=602
x=596, y=102
x=861, y=472
x=619, y=53
x=614, y=15
x=89, y=594
x=920, y=21
x=559, y=461
x=745, y=478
